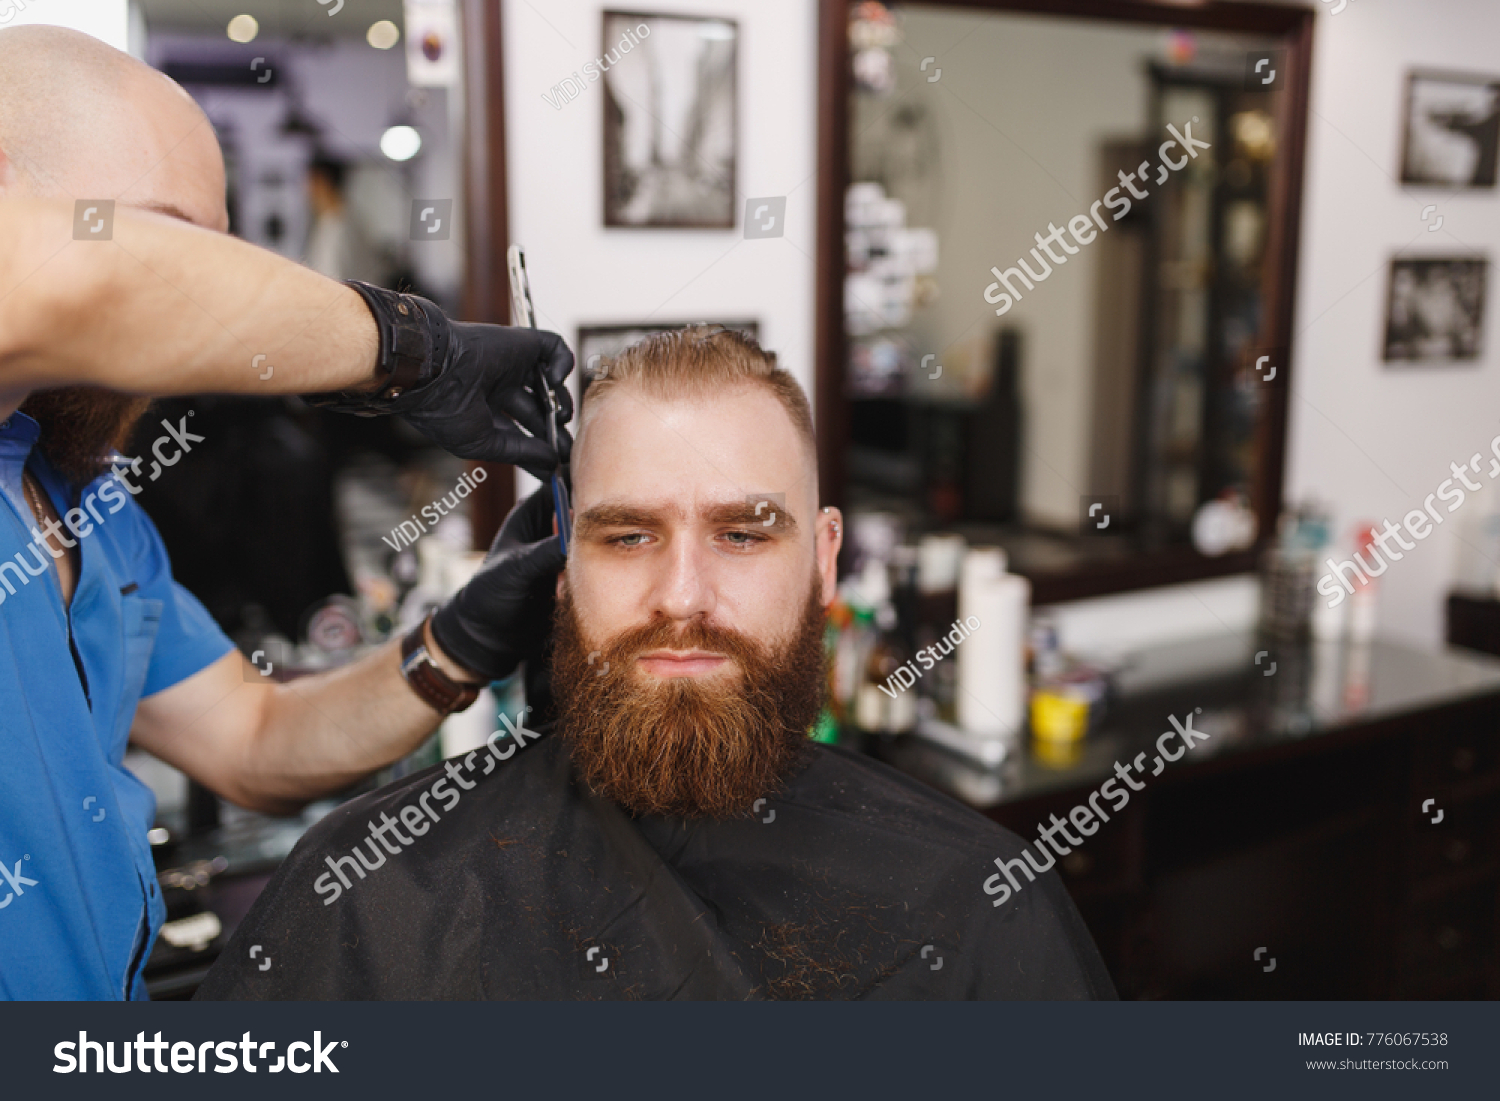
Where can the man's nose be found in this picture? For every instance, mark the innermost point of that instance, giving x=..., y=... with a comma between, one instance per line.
x=685, y=588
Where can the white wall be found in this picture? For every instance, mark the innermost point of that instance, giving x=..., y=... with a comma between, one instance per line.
x=107, y=20
x=1369, y=440
x=1373, y=440
x=582, y=273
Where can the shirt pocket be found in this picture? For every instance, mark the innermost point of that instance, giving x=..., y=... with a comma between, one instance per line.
x=140, y=618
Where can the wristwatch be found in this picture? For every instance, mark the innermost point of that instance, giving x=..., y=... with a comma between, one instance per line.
x=437, y=689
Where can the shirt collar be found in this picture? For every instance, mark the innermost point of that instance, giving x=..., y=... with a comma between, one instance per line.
x=18, y=452
x=18, y=432
x=18, y=436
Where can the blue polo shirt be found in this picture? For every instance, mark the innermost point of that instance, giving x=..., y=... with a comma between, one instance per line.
x=79, y=903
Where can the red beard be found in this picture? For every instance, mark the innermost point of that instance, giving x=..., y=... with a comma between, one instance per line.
x=682, y=747
x=81, y=426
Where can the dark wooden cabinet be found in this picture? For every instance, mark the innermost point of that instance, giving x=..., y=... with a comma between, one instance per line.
x=1474, y=622
x=1323, y=858
x=1309, y=841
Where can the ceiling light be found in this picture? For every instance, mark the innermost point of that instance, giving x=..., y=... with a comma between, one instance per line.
x=400, y=143
x=383, y=35
x=243, y=28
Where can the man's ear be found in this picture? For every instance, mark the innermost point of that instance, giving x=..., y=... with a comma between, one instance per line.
x=829, y=537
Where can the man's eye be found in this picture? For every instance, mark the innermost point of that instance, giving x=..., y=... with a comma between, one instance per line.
x=629, y=540
x=743, y=538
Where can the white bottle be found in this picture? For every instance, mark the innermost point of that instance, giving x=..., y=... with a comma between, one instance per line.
x=992, y=611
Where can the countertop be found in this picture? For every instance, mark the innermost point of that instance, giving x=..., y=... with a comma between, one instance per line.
x=1248, y=695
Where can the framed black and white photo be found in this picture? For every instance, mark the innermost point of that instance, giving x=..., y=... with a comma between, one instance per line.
x=1435, y=310
x=670, y=120
x=598, y=344
x=1452, y=130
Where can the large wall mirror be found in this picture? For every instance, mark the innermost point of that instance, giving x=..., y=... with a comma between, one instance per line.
x=1057, y=253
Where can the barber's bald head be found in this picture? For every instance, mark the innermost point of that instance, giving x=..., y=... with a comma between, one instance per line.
x=81, y=120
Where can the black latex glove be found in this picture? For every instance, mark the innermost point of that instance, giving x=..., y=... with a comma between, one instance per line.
x=488, y=384
x=465, y=386
x=504, y=614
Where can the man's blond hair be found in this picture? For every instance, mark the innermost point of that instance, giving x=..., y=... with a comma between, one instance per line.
x=701, y=360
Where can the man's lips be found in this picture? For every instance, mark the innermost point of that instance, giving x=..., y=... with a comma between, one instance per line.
x=681, y=663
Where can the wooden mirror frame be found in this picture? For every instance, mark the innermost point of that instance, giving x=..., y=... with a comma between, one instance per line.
x=1293, y=29
x=486, y=288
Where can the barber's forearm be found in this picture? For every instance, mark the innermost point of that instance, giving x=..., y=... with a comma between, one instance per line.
x=321, y=733
x=167, y=308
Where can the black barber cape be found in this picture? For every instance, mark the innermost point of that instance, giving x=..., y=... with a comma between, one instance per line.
x=855, y=882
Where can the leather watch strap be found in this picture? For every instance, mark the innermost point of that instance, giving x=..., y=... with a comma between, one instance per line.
x=436, y=688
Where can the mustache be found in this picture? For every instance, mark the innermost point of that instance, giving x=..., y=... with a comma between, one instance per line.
x=630, y=644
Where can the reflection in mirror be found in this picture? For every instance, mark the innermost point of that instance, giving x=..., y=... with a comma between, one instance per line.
x=1056, y=256
x=343, y=150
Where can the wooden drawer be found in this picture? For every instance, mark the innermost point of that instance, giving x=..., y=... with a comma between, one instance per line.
x=1449, y=753
x=1465, y=843
x=1106, y=862
x=1445, y=943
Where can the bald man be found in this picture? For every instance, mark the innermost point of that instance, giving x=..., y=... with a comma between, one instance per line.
x=118, y=283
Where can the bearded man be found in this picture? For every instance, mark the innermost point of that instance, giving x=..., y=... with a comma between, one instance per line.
x=677, y=835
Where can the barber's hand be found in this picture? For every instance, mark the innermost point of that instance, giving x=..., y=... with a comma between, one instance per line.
x=488, y=384
x=503, y=615
x=466, y=387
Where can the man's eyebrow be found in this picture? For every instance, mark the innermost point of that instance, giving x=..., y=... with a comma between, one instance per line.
x=618, y=515
x=764, y=513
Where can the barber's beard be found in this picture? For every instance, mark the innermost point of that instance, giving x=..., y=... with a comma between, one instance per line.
x=688, y=747
x=81, y=426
